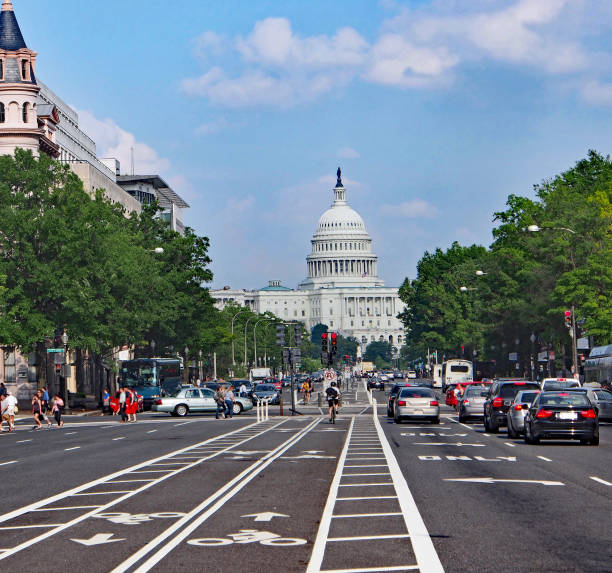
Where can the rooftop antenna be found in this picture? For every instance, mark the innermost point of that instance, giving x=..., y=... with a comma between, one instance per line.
x=132, y=159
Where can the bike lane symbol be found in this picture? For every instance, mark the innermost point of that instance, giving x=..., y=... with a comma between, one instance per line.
x=248, y=536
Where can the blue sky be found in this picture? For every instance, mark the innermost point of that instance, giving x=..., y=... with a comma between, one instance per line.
x=436, y=111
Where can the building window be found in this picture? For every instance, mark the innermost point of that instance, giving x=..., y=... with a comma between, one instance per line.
x=331, y=323
x=331, y=312
x=2, y=113
x=352, y=324
x=1, y=69
x=24, y=69
x=10, y=374
x=303, y=313
x=24, y=113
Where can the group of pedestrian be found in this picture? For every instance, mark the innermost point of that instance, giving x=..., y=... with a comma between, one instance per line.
x=40, y=407
x=8, y=408
x=128, y=404
x=225, y=401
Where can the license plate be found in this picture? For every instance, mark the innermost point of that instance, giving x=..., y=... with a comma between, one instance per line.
x=418, y=411
x=567, y=415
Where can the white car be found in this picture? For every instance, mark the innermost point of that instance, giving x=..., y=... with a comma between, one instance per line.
x=559, y=383
x=411, y=374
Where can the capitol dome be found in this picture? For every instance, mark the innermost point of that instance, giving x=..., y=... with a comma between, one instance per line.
x=341, y=248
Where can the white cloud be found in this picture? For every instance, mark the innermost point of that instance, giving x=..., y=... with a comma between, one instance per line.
x=597, y=93
x=416, y=48
x=212, y=127
x=112, y=141
x=415, y=209
x=348, y=153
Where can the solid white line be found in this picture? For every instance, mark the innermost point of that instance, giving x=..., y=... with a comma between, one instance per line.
x=364, y=484
x=460, y=423
x=363, y=454
x=68, y=507
x=423, y=546
x=377, y=458
x=366, y=497
x=103, y=492
x=599, y=480
x=367, y=465
x=29, y=526
x=171, y=464
x=151, y=472
x=510, y=444
x=23, y=441
x=545, y=459
x=372, y=569
x=218, y=499
x=372, y=474
x=151, y=431
x=130, y=480
x=69, y=433
x=9, y=463
x=367, y=514
x=318, y=550
x=120, y=438
x=367, y=537
x=75, y=448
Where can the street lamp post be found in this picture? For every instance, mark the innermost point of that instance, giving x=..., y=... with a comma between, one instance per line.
x=246, y=325
x=64, y=388
x=532, y=338
x=234, y=318
x=255, y=338
x=187, y=364
x=200, y=371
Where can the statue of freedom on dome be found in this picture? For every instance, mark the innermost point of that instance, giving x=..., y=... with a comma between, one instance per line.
x=339, y=175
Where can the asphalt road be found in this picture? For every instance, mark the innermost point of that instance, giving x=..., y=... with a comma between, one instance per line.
x=299, y=494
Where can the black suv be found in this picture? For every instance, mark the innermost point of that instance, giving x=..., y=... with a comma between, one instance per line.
x=501, y=394
x=393, y=394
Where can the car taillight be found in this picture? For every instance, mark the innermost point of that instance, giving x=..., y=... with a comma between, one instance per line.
x=518, y=406
x=433, y=403
x=589, y=414
x=544, y=414
x=401, y=403
x=497, y=403
x=466, y=401
x=158, y=402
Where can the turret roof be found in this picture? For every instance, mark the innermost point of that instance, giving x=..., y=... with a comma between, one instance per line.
x=11, y=38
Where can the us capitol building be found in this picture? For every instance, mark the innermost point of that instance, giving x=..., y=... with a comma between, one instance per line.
x=342, y=289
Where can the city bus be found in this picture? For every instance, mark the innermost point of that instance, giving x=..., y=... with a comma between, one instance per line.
x=598, y=366
x=152, y=378
x=456, y=370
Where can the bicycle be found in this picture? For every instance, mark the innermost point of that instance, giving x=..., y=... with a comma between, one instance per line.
x=333, y=405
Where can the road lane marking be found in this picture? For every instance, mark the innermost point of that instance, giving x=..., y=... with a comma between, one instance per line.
x=340, y=516
x=119, y=438
x=23, y=441
x=69, y=433
x=599, y=480
x=67, y=508
x=372, y=569
x=489, y=480
x=372, y=474
x=28, y=526
x=459, y=444
x=545, y=459
x=367, y=465
x=183, y=423
x=74, y=448
x=364, y=484
x=103, y=492
x=510, y=444
x=366, y=497
x=238, y=433
x=370, y=537
x=218, y=500
x=9, y=463
x=151, y=431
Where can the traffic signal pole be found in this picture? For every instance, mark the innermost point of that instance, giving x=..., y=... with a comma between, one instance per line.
x=574, y=344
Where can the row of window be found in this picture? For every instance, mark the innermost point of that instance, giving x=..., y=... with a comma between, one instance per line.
x=25, y=112
x=25, y=70
x=358, y=246
x=10, y=370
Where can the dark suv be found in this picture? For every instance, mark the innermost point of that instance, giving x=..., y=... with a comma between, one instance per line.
x=501, y=394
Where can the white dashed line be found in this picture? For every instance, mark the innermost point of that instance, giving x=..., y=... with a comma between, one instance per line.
x=120, y=438
x=545, y=459
x=151, y=431
x=9, y=463
x=70, y=449
x=23, y=441
x=183, y=423
x=510, y=444
x=366, y=514
x=69, y=433
x=599, y=480
x=368, y=537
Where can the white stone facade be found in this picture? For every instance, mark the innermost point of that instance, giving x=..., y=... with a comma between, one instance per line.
x=342, y=289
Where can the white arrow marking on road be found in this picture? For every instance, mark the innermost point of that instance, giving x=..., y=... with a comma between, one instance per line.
x=446, y=444
x=265, y=516
x=98, y=539
x=493, y=480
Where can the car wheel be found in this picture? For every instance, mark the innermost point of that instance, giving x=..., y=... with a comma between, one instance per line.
x=181, y=410
x=237, y=408
x=595, y=440
x=397, y=419
x=435, y=420
x=512, y=434
x=486, y=424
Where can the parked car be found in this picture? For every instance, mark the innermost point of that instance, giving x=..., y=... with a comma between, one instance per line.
x=188, y=400
x=562, y=415
x=418, y=403
x=472, y=402
x=392, y=395
x=267, y=392
x=518, y=410
x=559, y=383
x=501, y=395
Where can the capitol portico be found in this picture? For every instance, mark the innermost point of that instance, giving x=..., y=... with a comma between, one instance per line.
x=342, y=289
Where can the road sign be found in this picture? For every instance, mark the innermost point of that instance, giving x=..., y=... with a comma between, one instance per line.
x=329, y=375
x=54, y=350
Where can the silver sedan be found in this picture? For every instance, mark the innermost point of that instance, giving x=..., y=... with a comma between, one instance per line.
x=196, y=400
x=416, y=402
x=471, y=404
x=518, y=410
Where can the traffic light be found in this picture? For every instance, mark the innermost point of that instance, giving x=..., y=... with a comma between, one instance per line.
x=324, y=342
x=334, y=342
x=280, y=335
x=297, y=334
x=568, y=318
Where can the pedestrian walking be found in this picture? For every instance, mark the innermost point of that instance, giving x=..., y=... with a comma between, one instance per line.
x=3, y=390
x=122, y=404
x=43, y=396
x=105, y=401
x=58, y=410
x=9, y=409
x=220, y=400
x=229, y=401
x=36, y=411
x=3, y=413
x=131, y=405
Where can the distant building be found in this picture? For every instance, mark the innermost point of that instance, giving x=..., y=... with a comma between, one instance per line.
x=342, y=289
x=149, y=188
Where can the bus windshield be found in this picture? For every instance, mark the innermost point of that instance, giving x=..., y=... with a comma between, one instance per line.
x=138, y=373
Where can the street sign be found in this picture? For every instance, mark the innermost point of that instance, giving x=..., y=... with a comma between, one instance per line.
x=53, y=350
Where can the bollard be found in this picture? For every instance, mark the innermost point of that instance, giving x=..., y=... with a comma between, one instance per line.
x=267, y=407
x=319, y=400
x=258, y=410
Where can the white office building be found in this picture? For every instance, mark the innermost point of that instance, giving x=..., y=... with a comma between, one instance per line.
x=342, y=288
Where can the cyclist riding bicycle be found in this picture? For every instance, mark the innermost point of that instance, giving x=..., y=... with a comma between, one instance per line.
x=333, y=398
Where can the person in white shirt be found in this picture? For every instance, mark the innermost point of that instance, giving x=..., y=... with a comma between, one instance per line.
x=8, y=411
x=243, y=390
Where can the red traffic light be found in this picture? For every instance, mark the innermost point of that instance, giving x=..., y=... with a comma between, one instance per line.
x=334, y=336
x=324, y=335
x=568, y=313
